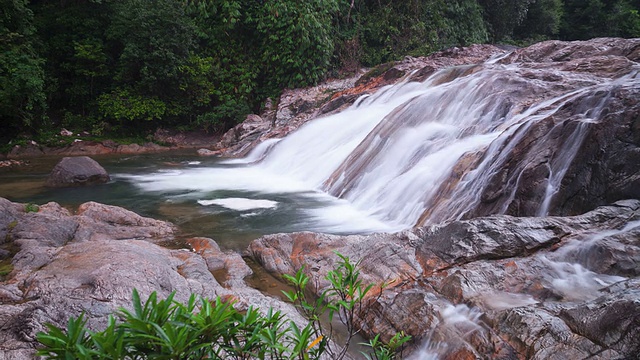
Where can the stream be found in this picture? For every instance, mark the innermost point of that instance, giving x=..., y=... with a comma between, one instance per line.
x=231, y=217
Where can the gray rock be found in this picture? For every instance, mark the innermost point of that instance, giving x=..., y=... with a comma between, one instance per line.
x=90, y=263
x=77, y=171
x=493, y=287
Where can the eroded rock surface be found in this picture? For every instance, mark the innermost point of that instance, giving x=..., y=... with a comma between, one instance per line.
x=493, y=287
x=64, y=265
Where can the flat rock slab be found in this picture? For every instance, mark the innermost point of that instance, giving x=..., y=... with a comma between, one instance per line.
x=77, y=171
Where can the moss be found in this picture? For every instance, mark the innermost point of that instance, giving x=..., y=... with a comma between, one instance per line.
x=31, y=208
x=375, y=72
x=5, y=268
x=12, y=225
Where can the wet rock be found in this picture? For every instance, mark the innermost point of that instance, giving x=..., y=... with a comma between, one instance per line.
x=492, y=287
x=565, y=51
x=207, y=152
x=179, y=140
x=31, y=149
x=9, y=214
x=77, y=171
x=245, y=132
x=612, y=320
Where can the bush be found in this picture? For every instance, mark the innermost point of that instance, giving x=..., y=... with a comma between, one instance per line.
x=204, y=329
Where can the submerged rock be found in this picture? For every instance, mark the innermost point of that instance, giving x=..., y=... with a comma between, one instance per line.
x=77, y=171
x=492, y=287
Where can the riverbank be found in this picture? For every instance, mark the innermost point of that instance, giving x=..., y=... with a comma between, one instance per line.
x=83, y=145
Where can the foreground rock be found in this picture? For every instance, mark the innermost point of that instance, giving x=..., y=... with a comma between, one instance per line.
x=494, y=287
x=65, y=265
x=77, y=171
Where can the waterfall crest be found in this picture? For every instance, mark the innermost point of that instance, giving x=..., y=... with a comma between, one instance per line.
x=468, y=141
x=417, y=153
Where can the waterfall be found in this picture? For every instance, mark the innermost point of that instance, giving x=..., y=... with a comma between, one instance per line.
x=423, y=152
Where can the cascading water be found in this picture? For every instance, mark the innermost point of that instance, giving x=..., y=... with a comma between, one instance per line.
x=412, y=153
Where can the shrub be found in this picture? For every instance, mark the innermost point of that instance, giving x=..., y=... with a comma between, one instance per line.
x=204, y=329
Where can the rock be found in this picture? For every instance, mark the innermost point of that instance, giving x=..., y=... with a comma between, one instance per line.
x=566, y=51
x=245, y=132
x=180, y=140
x=207, y=152
x=606, y=168
x=31, y=149
x=11, y=163
x=491, y=287
x=90, y=262
x=139, y=149
x=612, y=320
x=65, y=132
x=77, y=171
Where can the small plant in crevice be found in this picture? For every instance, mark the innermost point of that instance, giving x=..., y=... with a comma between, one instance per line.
x=31, y=208
x=215, y=329
x=345, y=299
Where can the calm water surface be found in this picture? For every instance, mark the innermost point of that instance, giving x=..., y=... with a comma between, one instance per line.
x=241, y=216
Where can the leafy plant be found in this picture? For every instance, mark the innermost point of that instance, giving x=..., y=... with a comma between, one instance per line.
x=345, y=299
x=204, y=329
x=31, y=208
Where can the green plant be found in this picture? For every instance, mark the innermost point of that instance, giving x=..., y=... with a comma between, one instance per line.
x=386, y=351
x=345, y=299
x=31, y=208
x=204, y=329
x=5, y=268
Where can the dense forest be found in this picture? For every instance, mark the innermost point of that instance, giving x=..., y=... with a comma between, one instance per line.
x=127, y=67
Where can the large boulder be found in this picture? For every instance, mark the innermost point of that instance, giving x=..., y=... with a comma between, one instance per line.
x=65, y=265
x=77, y=171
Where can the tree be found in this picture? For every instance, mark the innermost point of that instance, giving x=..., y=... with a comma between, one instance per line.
x=586, y=19
x=503, y=16
x=294, y=39
x=79, y=65
x=22, y=99
x=542, y=21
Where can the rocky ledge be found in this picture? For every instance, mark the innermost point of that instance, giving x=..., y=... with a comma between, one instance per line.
x=170, y=140
x=65, y=264
x=497, y=287
x=493, y=287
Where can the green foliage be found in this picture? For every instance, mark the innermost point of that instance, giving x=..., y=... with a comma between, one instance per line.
x=294, y=39
x=203, y=329
x=127, y=105
x=503, y=16
x=382, y=32
x=130, y=66
x=387, y=351
x=345, y=299
x=22, y=98
x=542, y=22
x=31, y=208
x=155, y=39
x=585, y=19
x=5, y=268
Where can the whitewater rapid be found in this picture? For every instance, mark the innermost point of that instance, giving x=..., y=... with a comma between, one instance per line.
x=411, y=153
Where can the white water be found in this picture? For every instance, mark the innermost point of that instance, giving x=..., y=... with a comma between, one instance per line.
x=460, y=321
x=240, y=204
x=379, y=165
